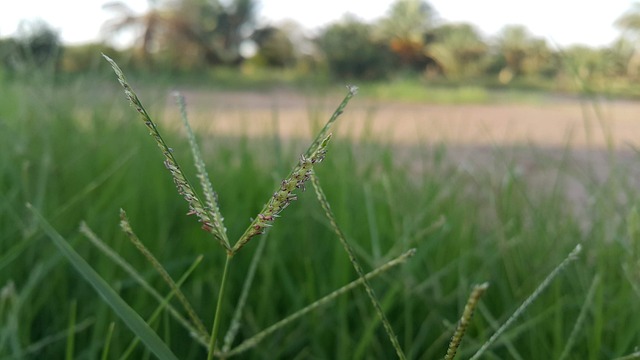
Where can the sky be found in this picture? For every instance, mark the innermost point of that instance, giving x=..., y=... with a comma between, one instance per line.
x=562, y=22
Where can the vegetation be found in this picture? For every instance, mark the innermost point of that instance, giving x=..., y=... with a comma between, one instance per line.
x=415, y=257
x=74, y=155
x=195, y=39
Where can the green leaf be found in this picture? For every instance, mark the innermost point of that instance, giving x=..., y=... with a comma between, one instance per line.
x=124, y=311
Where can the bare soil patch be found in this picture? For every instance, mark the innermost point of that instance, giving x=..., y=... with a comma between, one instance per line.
x=587, y=140
x=559, y=123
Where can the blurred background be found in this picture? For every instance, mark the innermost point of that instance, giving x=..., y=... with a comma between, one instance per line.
x=492, y=136
x=540, y=45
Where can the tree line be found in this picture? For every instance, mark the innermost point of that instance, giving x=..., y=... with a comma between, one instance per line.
x=191, y=35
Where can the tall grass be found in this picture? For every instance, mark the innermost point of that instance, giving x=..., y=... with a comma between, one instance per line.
x=76, y=155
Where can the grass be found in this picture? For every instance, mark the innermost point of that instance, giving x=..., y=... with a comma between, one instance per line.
x=76, y=155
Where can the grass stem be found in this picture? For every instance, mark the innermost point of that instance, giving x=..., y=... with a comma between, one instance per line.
x=216, y=319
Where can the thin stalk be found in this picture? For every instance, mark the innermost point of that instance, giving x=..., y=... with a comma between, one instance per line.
x=581, y=318
x=235, y=320
x=573, y=255
x=322, y=198
x=202, y=337
x=126, y=227
x=254, y=340
x=216, y=319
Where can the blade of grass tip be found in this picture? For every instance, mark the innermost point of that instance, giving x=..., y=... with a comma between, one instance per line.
x=284, y=195
x=122, y=309
x=581, y=317
x=126, y=227
x=210, y=195
x=71, y=330
x=239, y=308
x=36, y=347
x=124, y=265
x=469, y=308
x=196, y=206
x=163, y=304
x=107, y=342
x=573, y=255
x=254, y=340
x=356, y=265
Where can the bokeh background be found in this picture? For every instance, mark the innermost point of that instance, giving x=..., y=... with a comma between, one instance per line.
x=493, y=137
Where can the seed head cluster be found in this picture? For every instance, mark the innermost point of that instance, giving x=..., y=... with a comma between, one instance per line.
x=284, y=195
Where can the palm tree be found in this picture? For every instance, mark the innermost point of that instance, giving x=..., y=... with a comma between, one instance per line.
x=405, y=28
x=630, y=20
x=149, y=25
x=208, y=30
x=520, y=53
x=458, y=50
x=217, y=29
x=629, y=23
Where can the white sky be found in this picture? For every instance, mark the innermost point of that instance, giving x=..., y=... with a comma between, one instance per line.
x=562, y=22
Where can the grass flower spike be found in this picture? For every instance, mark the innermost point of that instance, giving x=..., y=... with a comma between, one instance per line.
x=196, y=206
x=285, y=194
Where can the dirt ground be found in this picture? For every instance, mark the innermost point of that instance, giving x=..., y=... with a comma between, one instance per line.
x=587, y=136
x=554, y=123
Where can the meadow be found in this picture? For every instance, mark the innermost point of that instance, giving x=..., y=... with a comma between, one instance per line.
x=504, y=208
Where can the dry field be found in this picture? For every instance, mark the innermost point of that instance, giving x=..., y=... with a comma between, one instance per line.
x=555, y=123
x=587, y=137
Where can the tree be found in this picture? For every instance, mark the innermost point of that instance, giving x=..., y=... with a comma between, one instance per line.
x=217, y=29
x=209, y=31
x=405, y=27
x=35, y=46
x=274, y=46
x=350, y=50
x=458, y=49
x=630, y=21
x=520, y=53
x=586, y=66
x=150, y=26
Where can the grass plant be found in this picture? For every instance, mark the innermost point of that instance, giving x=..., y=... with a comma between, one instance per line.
x=73, y=157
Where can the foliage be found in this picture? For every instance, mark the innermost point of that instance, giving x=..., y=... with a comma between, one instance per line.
x=458, y=50
x=35, y=46
x=523, y=54
x=275, y=47
x=187, y=33
x=405, y=28
x=352, y=52
x=70, y=153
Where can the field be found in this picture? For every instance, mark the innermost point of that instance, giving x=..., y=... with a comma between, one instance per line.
x=496, y=191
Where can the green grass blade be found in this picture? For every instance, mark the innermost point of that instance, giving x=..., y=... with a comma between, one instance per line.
x=71, y=338
x=218, y=313
x=107, y=342
x=137, y=277
x=124, y=311
x=163, y=304
x=239, y=308
x=581, y=318
x=126, y=227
